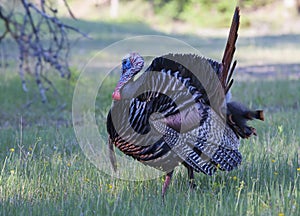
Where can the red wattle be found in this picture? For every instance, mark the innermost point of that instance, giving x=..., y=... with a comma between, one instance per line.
x=116, y=95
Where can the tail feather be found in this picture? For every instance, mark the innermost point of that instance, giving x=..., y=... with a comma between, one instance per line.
x=229, y=52
x=238, y=115
x=258, y=114
x=229, y=80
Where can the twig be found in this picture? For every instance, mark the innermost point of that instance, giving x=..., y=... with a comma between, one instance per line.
x=69, y=10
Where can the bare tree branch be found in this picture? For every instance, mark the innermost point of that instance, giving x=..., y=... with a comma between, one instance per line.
x=69, y=10
x=42, y=39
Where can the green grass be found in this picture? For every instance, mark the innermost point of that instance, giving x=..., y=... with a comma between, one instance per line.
x=47, y=172
x=44, y=171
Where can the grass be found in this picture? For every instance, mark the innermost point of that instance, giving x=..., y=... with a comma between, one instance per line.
x=44, y=171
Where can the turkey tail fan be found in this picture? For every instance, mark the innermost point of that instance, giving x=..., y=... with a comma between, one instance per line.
x=226, y=80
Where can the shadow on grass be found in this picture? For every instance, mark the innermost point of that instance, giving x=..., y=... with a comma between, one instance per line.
x=270, y=71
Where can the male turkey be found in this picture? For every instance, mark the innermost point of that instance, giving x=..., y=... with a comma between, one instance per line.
x=179, y=111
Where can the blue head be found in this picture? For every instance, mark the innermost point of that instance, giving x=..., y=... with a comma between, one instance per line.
x=131, y=65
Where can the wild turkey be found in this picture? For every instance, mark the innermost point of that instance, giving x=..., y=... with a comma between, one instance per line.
x=179, y=111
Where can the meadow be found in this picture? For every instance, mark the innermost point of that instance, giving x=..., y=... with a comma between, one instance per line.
x=44, y=170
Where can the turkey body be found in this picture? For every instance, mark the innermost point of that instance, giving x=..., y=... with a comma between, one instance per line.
x=193, y=132
x=178, y=112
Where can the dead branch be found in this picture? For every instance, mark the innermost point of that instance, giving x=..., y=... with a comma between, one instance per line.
x=42, y=39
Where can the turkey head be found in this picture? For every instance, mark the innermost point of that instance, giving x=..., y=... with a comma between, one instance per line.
x=131, y=65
